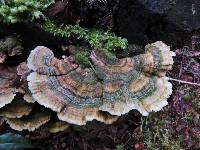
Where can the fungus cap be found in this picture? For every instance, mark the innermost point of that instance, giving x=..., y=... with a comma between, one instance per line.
x=135, y=83
x=65, y=87
x=116, y=86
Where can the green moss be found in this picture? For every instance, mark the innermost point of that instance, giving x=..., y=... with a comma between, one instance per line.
x=189, y=118
x=120, y=147
x=105, y=41
x=13, y=11
x=82, y=58
x=157, y=137
x=190, y=94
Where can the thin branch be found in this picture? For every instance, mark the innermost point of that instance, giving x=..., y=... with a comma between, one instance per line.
x=181, y=81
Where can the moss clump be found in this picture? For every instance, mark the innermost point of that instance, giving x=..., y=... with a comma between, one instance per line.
x=120, y=147
x=82, y=58
x=13, y=11
x=172, y=128
x=190, y=94
x=157, y=137
x=105, y=41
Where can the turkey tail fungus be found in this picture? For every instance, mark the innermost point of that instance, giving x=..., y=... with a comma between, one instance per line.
x=111, y=88
x=74, y=92
x=135, y=83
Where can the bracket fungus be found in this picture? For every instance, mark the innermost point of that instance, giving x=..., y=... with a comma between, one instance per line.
x=16, y=102
x=34, y=120
x=8, y=76
x=135, y=83
x=16, y=109
x=65, y=87
x=110, y=89
x=57, y=126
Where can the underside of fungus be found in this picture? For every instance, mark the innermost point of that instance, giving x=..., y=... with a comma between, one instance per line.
x=110, y=88
x=17, y=109
x=34, y=120
x=57, y=126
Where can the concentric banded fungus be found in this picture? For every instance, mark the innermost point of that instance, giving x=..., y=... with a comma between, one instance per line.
x=10, y=46
x=31, y=122
x=7, y=89
x=129, y=83
x=63, y=86
x=16, y=109
x=79, y=96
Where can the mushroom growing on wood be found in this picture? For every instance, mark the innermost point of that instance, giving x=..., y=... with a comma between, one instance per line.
x=110, y=89
x=65, y=87
x=135, y=83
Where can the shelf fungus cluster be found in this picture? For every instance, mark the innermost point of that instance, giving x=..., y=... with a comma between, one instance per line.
x=76, y=94
x=18, y=107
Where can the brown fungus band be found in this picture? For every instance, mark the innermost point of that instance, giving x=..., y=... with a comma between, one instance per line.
x=8, y=90
x=112, y=88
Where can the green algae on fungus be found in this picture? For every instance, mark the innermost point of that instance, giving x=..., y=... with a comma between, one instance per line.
x=82, y=58
x=115, y=87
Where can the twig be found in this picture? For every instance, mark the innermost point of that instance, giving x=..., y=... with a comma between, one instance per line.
x=181, y=81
